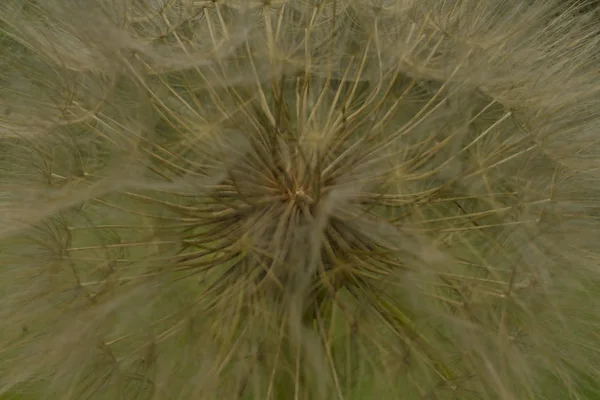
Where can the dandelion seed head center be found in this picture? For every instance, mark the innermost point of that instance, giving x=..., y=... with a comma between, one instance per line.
x=301, y=197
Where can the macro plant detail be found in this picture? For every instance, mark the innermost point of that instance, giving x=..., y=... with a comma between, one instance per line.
x=298, y=199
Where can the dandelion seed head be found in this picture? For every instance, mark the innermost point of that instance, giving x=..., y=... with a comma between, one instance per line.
x=303, y=199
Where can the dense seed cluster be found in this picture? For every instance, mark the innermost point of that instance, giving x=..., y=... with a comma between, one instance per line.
x=298, y=199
